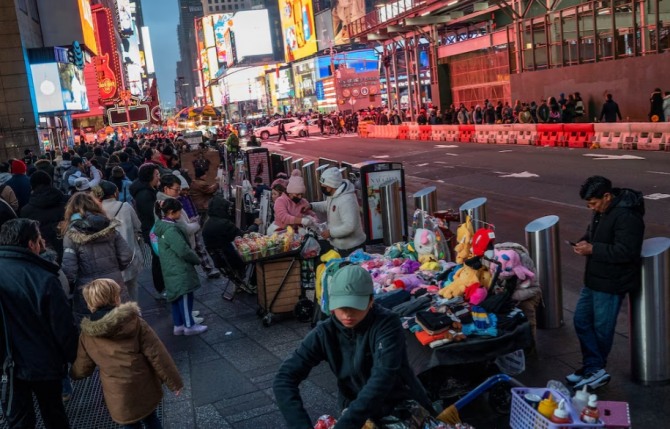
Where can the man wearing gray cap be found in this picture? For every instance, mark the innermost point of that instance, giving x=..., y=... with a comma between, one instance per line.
x=364, y=346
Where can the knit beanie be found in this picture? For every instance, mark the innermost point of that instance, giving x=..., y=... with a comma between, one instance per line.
x=282, y=182
x=296, y=185
x=39, y=178
x=18, y=167
x=332, y=178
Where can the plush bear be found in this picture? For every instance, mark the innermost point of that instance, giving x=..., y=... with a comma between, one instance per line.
x=510, y=265
x=464, y=235
x=463, y=278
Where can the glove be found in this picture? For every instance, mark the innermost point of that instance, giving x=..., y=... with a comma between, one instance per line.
x=307, y=221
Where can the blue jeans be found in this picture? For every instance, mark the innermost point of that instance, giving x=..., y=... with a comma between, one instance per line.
x=181, y=311
x=149, y=422
x=595, y=321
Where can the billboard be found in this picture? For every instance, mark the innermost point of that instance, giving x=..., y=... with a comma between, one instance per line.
x=357, y=90
x=107, y=64
x=63, y=22
x=148, y=51
x=133, y=62
x=364, y=60
x=125, y=16
x=344, y=13
x=208, y=31
x=241, y=35
x=299, y=34
x=324, y=29
x=87, y=28
x=48, y=91
x=73, y=87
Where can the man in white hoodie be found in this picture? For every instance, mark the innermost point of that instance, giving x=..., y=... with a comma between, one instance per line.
x=344, y=229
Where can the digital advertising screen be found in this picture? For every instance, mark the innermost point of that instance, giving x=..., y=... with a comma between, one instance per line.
x=324, y=29
x=208, y=31
x=88, y=31
x=46, y=82
x=125, y=17
x=241, y=35
x=361, y=61
x=344, y=13
x=133, y=61
x=212, y=62
x=283, y=84
x=73, y=87
x=220, y=25
x=229, y=48
x=298, y=31
x=242, y=84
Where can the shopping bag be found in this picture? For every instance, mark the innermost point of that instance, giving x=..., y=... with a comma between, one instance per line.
x=311, y=248
x=512, y=363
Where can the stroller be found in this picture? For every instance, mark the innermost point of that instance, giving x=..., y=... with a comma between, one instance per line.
x=235, y=271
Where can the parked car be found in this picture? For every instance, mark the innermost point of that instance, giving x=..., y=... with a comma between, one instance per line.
x=312, y=126
x=272, y=129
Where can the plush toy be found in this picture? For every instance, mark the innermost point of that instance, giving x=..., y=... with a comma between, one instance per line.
x=425, y=243
x=408, y=282
x=464, y=235
x=510, y=265
x=475, y=294
x=410, y=267
x=463, y=278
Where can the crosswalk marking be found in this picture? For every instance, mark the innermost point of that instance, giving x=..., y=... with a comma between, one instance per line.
x=292, y=140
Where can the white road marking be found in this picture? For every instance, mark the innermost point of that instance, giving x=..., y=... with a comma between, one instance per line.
x=380, y=156
x=505, y=151
x=422, y=164
x=440, y=181
x=522, y=175
x=559, y=203
x=445, y=146
x=451, y=154
x=659, y=172
x=602, y=156
x=656, y=196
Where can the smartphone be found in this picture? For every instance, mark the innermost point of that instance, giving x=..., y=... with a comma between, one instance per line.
x=571, y=243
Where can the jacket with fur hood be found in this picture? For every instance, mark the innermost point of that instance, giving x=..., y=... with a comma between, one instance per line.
x=344, y=218
x=93, y=249
x=132, y=360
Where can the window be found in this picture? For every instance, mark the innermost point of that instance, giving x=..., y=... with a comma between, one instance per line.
x=211, y=9
x=216, y=8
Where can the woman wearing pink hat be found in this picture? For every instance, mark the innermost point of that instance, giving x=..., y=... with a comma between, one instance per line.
x=291, y=208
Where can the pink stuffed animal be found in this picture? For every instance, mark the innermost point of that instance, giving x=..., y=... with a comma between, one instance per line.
x=510, y=265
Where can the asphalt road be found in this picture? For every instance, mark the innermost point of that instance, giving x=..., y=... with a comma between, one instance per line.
x=521, y=183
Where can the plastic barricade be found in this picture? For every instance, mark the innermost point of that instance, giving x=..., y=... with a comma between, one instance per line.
x=392, y=131
x=403, y=132
x=484, y=134
x=363, y=130
x=525, y=134
x=504, y=134
x=465, y=133
x=649, y=135
x=425, y=132
x=550, y=135
x=452, y=133
x=439, y=133
x=609, y=135
x=413, y=133
x=578, y=135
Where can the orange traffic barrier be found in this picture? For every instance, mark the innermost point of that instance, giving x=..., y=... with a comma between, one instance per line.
x=465, y=133
x=425, y=132
x=578, y=135
x=550, y=135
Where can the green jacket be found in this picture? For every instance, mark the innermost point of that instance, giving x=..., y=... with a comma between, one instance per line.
x=178, y=260
x=370, y=363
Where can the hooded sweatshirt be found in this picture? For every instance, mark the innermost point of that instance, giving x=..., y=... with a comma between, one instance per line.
x=616, y=236
x=144, y=197
x=47, y=205
x=344, y=218
x=133, y=362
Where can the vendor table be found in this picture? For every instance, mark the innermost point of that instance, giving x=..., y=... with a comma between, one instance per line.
x=279, y=284
x=472, y=350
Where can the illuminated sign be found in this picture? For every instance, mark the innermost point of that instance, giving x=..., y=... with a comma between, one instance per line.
x=73, y=87
x=125, y=15
x=148, y=51
x=220, y=25
x=297, y=22
x=106, y=79
x=208, y=31
x=344, y=13
x=138, y=112
x=324, y=29
x=246, y=34
x=107, y=63
x=48, y=92
x=229, y=48
x=357, y=90
x=88, y=31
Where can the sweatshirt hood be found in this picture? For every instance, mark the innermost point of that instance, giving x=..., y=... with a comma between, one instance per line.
x=119, y=322
x=4, y=177
x=346, y=188
x=628, y=199
x=138, y=186
x=46, y=198
x=219, y=207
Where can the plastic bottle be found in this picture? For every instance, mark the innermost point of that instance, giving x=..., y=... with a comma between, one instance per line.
x=547, y=406
x=590, y=413
x=561, y=414
x=581, y=399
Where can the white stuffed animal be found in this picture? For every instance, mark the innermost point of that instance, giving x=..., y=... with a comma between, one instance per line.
x=425, y=243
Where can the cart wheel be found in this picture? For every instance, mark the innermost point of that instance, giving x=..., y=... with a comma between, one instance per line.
x=500, y=398
x=267, y=320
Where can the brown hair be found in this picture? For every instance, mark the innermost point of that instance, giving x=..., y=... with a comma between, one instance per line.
x=101, y=293
x=80, y=203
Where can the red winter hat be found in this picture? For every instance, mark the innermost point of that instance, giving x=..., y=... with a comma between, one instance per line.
x=482, y=241
x=18, y=167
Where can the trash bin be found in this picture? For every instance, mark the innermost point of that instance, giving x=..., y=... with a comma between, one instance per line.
x=391, y=208
x=542, y=241
x=476, y=209
x=650, y=315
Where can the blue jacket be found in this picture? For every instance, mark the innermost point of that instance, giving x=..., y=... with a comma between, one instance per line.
x=20, y=184
x=369, y=361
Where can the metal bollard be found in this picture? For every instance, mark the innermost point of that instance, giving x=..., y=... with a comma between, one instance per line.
x=542, y=241
x=650, y=315
x=311, y=182
x=426, y=199
x=327, y=161
x=288, y=165
x=476, y=209
x=391, y=209
x=297, y=165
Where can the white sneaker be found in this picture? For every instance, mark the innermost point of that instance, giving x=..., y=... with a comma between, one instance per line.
x=594, y=380
x=198, y=320
x=178, y=330
x=576, y=376
x=195, y=313
x=195, y=330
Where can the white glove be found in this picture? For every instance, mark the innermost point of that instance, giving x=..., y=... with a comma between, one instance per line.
x=307, y=221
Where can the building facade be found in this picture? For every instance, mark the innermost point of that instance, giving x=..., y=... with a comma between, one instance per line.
x=187, y=82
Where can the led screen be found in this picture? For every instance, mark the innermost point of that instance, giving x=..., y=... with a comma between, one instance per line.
x=73, y=87
x=46, y=83
x=241, y=35
x=298, y=32
x=324, y=29
x=366, y=60
x=345, y=12
x=208, y=31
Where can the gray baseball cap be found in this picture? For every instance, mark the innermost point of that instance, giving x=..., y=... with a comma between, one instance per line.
x=351, y=287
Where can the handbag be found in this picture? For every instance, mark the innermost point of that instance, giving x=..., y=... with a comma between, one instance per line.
x=7, y=381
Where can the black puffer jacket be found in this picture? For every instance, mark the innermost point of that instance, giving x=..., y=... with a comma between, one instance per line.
x=144, y=197
x=47, y=205
x=219, y=229
x=42, y=332
x=93, y=249
x=616, y=236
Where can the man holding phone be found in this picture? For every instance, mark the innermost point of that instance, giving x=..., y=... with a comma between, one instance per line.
x=611, y=246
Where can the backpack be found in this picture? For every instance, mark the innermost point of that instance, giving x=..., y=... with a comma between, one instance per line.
x=153, y=240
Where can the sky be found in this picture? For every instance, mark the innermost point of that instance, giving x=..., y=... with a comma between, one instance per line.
x=162, y=17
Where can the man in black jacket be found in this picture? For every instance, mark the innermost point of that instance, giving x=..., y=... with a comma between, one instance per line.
x=364, y=345
x=612, y=246
x=39, y=321
x=610, y=111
